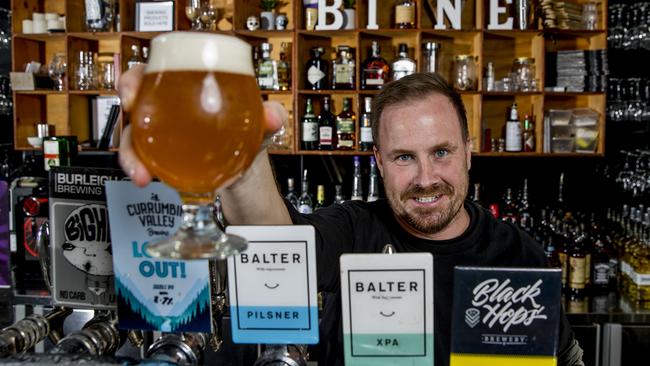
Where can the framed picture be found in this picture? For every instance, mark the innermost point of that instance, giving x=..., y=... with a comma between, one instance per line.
x=154, y=16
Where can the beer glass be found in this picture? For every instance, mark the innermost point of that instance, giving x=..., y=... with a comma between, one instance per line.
x=197, y=125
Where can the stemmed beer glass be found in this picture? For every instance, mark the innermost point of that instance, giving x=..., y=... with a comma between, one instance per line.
x=197, y=125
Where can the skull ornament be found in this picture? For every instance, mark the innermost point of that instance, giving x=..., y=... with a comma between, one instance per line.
x=252, y=23
x=281, y=22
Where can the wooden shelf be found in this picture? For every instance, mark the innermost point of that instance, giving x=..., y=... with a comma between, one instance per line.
x=329, y=91
x=536, y=155
x=93, y=92
x=39, y=92
x=509, y=94
x=333, y=152
x=276, y=92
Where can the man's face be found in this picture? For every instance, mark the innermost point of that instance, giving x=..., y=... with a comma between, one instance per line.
x=424, y=162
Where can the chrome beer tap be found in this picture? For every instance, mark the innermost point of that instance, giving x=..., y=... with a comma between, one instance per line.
x=32, y=329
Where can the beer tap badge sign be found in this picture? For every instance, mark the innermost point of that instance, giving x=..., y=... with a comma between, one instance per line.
x=154, y=294
x=82, y=266
x=387, y=309
x=272, y=285
x=505, y=316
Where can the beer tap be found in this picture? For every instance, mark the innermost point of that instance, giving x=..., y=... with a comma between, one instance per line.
x=181, y=349
x=32, y=329
x=98, y=337
x=218, y=289
x=283, y=355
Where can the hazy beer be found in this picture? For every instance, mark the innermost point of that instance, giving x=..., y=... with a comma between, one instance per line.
x=198, y=117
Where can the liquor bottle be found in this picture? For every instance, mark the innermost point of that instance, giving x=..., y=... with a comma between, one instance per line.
x=405, y=14
x=305, y=202
x=513, y=130
x=373, y=184
x=284, y=68
x=365, y=135
x=338, y=197
x=357, y=193
x=320, y=197
x=528, y=136
x=525, y=217
x=343, y=73
x=257, y=56
x=135, y=58
x=267, y=70
x=605, y=263
x=326, y=127
x=346, y=127
x=309, y=140
x=374, y=70
x=403, y=65
x=476, y=196
x=509, y=208
x=577, y=264
x=291, y=193
x=316, y=70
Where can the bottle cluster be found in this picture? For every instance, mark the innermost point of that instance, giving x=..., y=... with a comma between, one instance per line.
x=305, y=203
x=272, y=74
x=518, y=134
x=330, y=131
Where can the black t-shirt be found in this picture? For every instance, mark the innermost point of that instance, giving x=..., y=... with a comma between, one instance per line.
x=363, y=227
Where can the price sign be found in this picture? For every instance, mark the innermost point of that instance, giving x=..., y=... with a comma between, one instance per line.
x=272, y=285
x=387, y=308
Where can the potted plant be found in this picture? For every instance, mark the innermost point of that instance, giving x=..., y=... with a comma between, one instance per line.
x=349, y=14
x=267, y=16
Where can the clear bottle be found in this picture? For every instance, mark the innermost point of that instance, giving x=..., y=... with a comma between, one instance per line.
x=135, y=58
x=92, y=70
x=489, y=77
x=357, y=192
x=305, y=202
x=373, y=181
x=343, y=73
x=365, y=130
x=320, y=197
x=375, y=71
x=284, y=68
x=405, y=14
x=316, y=70
x=509, y=208
x=403, y=65
x=338, y=198
x=525, y=216
x=476, y=196
x=267, y=71
x=326, y=127
x=513, y=131
x=309, y=139
x=528, y=136
x=81, y=76
x=291, y=196
x=346, y=127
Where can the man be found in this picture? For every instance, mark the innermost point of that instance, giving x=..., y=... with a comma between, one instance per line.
x=423, y=153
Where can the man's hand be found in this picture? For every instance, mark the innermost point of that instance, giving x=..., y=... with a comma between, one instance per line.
x=128, y=86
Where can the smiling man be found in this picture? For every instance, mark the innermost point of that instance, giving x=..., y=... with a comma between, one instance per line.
x=423, y=153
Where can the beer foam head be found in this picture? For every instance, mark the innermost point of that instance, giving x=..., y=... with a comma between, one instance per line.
x=193, y=51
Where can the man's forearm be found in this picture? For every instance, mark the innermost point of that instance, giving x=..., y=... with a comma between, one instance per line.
x=254, y=199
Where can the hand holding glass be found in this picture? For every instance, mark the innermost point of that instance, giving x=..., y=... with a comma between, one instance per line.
x=198, y=125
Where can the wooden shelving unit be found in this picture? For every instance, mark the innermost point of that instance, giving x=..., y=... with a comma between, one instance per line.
x=68, y=109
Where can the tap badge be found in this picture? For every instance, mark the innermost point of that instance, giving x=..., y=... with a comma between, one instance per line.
x=472, y=317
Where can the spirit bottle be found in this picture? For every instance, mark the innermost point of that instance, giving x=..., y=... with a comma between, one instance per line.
x=373, y=184
x=365, y=131
x=135, y=58
x=267, y=70
x=357, y=193
x=403, y=64
x=343, y=70
x=476, y=197
x=284, y=68
x=509, y=208
x=338, y=198
x=513, y=130
x=316, y=70
x=405, y=14
x=305, y=202
x=320, y=197
x=525, y=217
x=346, y=126
x=291, y=193
x=309, y=140
x=374, y=70
x=326, y=127
x=528, y=136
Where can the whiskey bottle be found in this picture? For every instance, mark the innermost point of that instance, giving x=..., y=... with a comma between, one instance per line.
x=316, y=70
x=343, y=73
x=291, y=193
x=375, y=71
x=525, y=217
x=509, y=208
x=338, y=197
x=326, y=127
x=528, y=136
x=309, y=140
x=346, y=126
x=403, y=65
x=284, y=68
x=405, y=14
x=373, y=181
x=305, y=202
x=577, y=267
x=267, y=70
x=357, y=192
x=320, y=197
x=513, y=131
x=365, y=131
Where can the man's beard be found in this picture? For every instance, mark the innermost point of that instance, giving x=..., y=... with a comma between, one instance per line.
x=427, y=220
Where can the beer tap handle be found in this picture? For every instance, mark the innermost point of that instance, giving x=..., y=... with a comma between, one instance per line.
x=29, y=331
x=286, y=355
x=182, y=349
x=135, y=337
x=44, y=257
x=99, y=337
